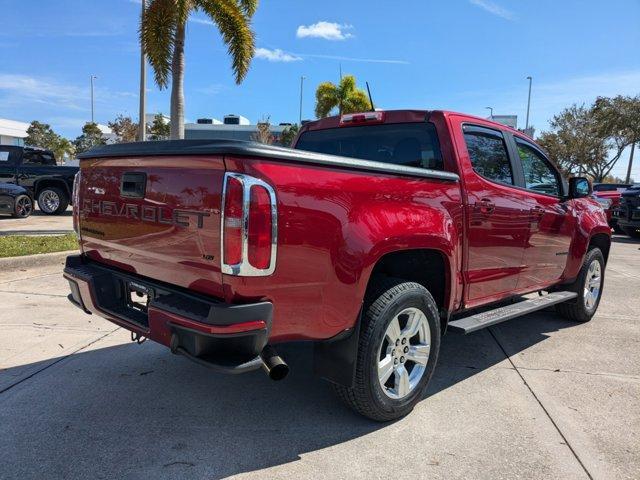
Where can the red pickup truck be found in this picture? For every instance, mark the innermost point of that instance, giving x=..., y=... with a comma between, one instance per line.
x=377, y=233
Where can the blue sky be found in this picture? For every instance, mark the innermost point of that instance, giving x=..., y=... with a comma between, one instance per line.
x=461, y=55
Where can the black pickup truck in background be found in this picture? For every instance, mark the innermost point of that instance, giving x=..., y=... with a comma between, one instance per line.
x=36, y=170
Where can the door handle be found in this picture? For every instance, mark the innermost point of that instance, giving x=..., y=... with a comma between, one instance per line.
x=485, y=206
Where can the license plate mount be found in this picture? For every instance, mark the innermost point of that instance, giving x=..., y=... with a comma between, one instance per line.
x=138, y=296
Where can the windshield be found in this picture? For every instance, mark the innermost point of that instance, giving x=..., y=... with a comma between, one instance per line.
x=408, y=144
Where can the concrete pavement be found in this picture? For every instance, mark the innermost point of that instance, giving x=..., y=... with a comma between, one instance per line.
x=37, y=224
x=536, y=397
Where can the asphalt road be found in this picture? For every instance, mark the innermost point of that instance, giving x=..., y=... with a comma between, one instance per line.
x=536, y=397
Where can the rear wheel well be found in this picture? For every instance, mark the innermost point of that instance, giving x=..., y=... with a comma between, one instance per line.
x=42, y=184
x=423, y=266
x=603, y=242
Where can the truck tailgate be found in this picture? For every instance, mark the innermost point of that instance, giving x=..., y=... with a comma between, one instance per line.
x=155, y=216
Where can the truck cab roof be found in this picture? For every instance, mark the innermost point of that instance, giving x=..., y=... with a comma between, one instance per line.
x=400, y=116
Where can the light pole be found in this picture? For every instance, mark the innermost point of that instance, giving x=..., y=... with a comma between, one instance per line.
x=92, y=77
x=491, y=111
x=142, y=121
x=526, y=126
x=302, y=78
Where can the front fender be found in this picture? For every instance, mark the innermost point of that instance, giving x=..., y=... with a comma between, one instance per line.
x=591, y=220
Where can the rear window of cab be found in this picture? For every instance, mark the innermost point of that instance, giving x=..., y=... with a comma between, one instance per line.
x=407, y=144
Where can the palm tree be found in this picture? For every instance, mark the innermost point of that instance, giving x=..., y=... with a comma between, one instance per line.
x=162, y=33
x=345, y=96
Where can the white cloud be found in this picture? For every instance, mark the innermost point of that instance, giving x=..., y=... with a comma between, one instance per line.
x=276, y=55
x=355, y=59
x=326, y=30
x=493, y=8
x=23, y=89
x=212, y=89
x=201, y=21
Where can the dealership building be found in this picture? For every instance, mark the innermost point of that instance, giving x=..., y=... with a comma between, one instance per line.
x=232, y=127
x=12, y=132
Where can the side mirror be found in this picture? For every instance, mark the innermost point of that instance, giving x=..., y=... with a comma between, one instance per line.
x=579, y=187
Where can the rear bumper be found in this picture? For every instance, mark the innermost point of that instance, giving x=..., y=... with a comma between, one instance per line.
x=225, y=337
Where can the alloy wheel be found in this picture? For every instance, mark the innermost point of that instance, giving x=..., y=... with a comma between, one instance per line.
x=404, y=353
x=49, y=201
x=24, y=206
x=592, y=285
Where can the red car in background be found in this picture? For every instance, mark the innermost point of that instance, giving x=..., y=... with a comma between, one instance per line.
x=608, y=196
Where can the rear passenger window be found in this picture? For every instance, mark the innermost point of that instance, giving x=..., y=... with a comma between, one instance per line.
x=488, y=154
x=36, y=157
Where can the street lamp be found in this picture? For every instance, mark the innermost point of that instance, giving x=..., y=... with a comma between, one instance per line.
x=491, y=111
x=302, y=79
x=92, y=78
x=142, y=121
x=528, y=103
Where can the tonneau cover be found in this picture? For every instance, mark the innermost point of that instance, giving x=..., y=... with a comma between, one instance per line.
x=242, y=148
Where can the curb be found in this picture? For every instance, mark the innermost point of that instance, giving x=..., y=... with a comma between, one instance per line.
x=32, y=233
x=37, y=260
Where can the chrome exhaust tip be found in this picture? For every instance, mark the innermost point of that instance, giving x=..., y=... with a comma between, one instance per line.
x=273, y=364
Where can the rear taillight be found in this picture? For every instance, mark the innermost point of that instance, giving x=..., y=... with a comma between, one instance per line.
x=360, y=118
x=75, y=195
x=233, y=216
x=249, y=226
x=259, y=227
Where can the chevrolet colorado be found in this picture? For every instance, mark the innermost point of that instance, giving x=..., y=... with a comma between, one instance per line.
x=377, y=233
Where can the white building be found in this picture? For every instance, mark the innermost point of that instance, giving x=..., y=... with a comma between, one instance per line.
x=12, y=132
x=107, y=134
x=234, y=127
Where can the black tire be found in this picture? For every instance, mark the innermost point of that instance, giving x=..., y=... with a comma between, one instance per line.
x=577, y=310
x=633, y=232
x=388, y=298
x=22, y=206
x=618, y=229
x=49, y=208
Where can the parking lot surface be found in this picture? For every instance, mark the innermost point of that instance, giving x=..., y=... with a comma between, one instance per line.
x=37, y=224
x=536, y=397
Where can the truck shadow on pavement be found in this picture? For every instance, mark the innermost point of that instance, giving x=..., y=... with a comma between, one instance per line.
x=129, y=411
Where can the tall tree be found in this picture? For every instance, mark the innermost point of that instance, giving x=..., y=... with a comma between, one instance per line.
x=40, y=135
x=162, y=33
x=576, y=143
x=63, y=149
x=345, y=96
x=159, y=129
x=91, y=137
x=619, y=120
x=125, y=129
x=592, y=139
x=263, y=132
x=289, y=134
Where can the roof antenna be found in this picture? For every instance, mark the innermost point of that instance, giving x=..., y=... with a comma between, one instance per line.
x=373, y=109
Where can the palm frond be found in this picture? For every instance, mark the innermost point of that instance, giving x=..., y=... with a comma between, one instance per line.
x=235, y=28
x=356, y=101
x=327, y=98
x=249, y=7
x=157, y=34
